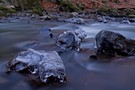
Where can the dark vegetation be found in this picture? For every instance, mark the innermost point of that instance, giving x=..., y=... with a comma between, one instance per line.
x=20, y=5
x=105, y=10
x=68, y=6
x=65, y=6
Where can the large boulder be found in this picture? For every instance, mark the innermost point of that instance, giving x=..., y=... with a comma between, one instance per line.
x=130, y=46
x=110, y=43
x=47, y=65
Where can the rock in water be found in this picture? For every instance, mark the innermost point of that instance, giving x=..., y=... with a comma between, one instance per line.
x=47, y=65
x=71, y=39
x=68, y=40
x=110, y=44
x=130, y=47
x=46, y=32
x=75, y=20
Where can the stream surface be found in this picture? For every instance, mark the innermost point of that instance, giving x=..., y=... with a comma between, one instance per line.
x=82, y=72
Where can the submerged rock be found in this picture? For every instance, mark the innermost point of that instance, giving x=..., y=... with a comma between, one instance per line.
x=71, y=39
x=46, y=32
x=47, y=65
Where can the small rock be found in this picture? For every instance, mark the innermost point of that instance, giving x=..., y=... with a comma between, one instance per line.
x=45, y=17
x=75, y=20
x=46, y=32
x=102, y=19
x=125, y=20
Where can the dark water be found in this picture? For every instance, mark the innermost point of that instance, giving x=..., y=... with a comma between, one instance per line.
x=82, y=73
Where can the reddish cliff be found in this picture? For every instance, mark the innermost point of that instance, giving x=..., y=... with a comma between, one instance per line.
x=89, y=4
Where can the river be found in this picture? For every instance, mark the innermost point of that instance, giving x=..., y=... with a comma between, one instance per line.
x=82, y=72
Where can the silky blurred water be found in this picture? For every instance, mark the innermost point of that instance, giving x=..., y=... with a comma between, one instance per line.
x=82, y=72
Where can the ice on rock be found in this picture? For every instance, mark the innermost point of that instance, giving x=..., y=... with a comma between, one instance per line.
x=47, y=65
x=71, y=39
x=80, y=34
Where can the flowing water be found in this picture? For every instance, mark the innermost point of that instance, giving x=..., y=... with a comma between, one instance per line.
x=82, y=72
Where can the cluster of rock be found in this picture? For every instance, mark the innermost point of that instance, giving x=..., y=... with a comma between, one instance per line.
x=74, y=17
x=48, y=66
x=106, y=19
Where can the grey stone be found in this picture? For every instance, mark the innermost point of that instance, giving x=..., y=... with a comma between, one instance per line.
x=111, y=44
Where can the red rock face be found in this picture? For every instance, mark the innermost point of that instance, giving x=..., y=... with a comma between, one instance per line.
x=48, y=5
x=89, y=4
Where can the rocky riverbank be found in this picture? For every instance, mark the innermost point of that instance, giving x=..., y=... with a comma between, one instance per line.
x=74, y=17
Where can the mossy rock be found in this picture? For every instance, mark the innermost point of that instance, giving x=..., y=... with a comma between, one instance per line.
x=129, y=11
x=2, y=13
x=68, y=6
x=108, y=11
x=105, y=1
x=131, y=16
x=1, y=1
x=116, y=1
x=38, y=12
x=80, y=6
x=6, y=11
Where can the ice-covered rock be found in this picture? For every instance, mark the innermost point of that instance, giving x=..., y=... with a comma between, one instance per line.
x=47, y=65
x=80, y=34
x=68, y=40
x=71, y=39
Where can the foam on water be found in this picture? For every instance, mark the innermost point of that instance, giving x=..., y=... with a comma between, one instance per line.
x=125, y=29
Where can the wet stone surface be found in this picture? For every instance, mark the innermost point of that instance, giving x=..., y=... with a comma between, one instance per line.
x=112, y=44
